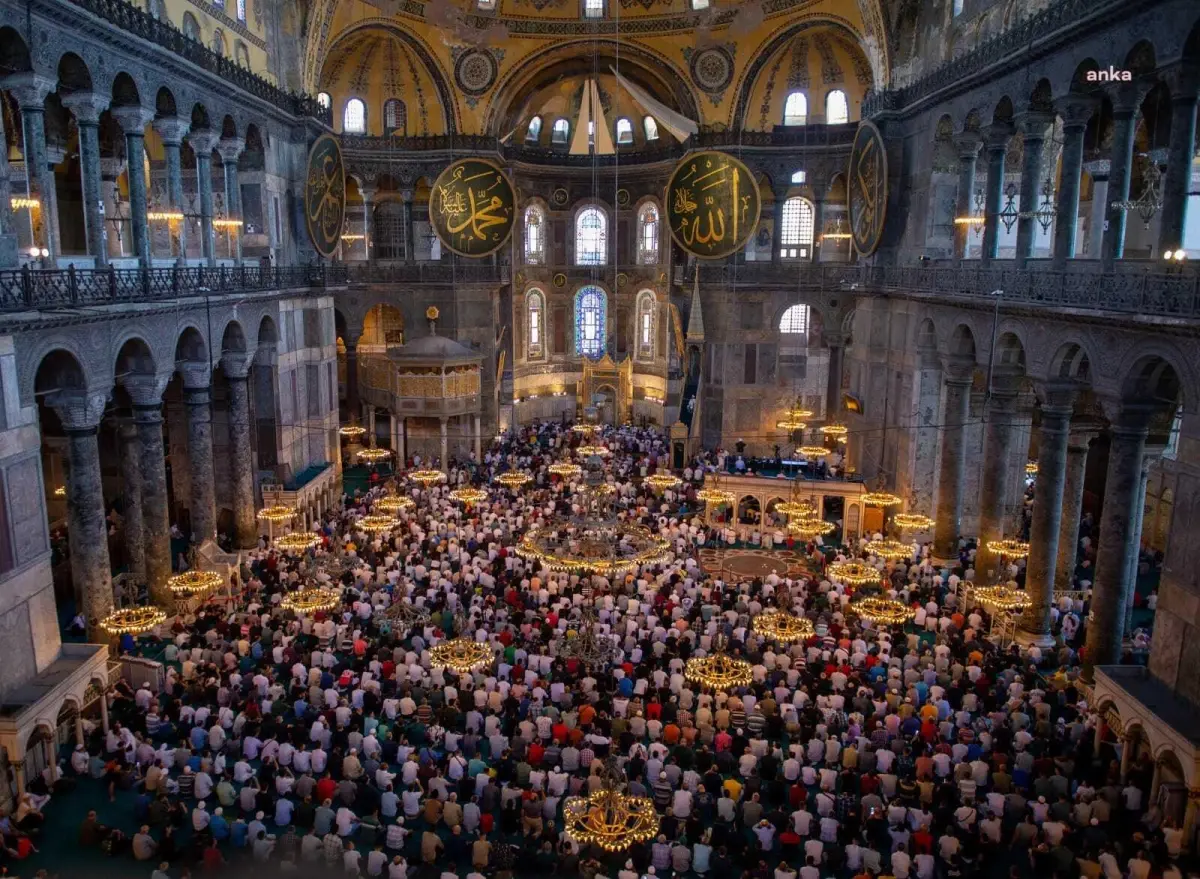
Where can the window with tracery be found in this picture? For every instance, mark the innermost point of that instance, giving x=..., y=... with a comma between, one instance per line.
x=535, y=327
x=395, y=116
x=648, y=235
x=837, y=111
x=796, y=238
x=591, y=238
x=591, y=307
x=645, y=325
x=354, y=119
x=535, y=235
x=794, y=321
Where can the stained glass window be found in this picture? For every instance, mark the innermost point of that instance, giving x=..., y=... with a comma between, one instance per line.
x=591, y=306
x=591, y=238
x=645, y=331
x=535, y=307
x=535, y=235
x=648, y=235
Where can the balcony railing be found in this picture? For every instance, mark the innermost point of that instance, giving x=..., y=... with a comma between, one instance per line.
x=35, y=289
x=1129, y=288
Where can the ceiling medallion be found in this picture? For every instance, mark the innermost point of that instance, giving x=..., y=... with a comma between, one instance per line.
x=712, y=68
x=560, y=196
x=622, y=197
x=475, y=71
x=622, y=280
x=560, y=280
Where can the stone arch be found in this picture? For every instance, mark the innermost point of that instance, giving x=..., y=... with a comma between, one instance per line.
x=1078, y=83
x=1009, y=355
x=14, y=52
x=1072, y=362
x=191, y=346
x=1140, y=60
x=134, y=357
x=961, y=343
x=200, y=118
x=233, y=339
x=748, y=504
x=229, y=127
x=1003, y=111
x=1153, y=378
x=165, y=106
x=73, y=74
x=383, y=324
x=268, y=333
x=125, y=91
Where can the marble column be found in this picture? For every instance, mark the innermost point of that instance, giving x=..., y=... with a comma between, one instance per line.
x=30, y=91
x=1098, y=169
x=87, y=528
x=993, y=489
x=406, y=200
x=952, y=468
x=833, y=385
x=1180, y=150
x=967, y=144
x=133, y=122
x=240, y=458
x=8, y=237
x=1034, y=126
x=87, y=108
x=368, y=196
x=402, y=446
x=445, y=444
x=1075, y=113
x=55, y=154
x=353, y=407
x=156, y=526
x=998, y=135
x=203, y=142
x=230, y=148
x=369, y=412
x=172, y=131
x=197, y=396
x=1068, y=536
x=1125, y=105
x=1139, y=517
x=1046, y=527
x=478, y=439
x=131, y=488
x=1106, y=621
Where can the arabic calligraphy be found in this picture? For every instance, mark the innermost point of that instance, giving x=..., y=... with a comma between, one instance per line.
x=712, y=204
x=472, y=207
x=325, y=195
x=868, y=188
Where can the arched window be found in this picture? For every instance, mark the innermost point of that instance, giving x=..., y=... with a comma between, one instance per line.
x=591, y=238
x=241, y=10
x=700, y=4
x=218, y=42
x=486, y=5
x=354, y=119
x=799, y=176
x=241, y=54
x=534, y=132
x=535, y=327
x=624, y=131
x=535, y=235
x=958, y=7
x=796, y=239
x=191, y=27
x=795, y=109
x=837, y=111
x=650, y=127
x=561, y=131
x=794, y=321
x=645, y=325
x=593, y=8
x=395, y=116
x=647, y=240
x=591, y=307
x=323, y=100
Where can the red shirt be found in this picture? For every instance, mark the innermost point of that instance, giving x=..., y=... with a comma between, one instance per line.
x=326, y=788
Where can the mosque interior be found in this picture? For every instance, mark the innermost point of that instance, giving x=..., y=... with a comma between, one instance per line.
x=245, y=243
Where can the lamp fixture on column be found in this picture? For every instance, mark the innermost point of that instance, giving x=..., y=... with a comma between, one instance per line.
x=835, y=232
x=975, y=220
x=1149, y=201
x=1009, y=214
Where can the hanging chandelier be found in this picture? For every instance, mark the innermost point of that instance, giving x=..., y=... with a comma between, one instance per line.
x=610, y=551
x=311, y=601
x=800, y=502
x=718, y=670
x=892, y=550
x=461, y=655
x=1149, y=202
x=393, y=503
x=610, y=818
x=427, y=477
x=912, y=521
x=836, y=430
x=513, y=479
x=713, y=493
x=781, y=626
x=191, y=583
x=374, y=455
x=585, y=428
x=977, y=219
x=836, y=233
x=1001, y=598
x=1009, y=548
x=276, y=514
x=133, y=620
x=663, y=481
x=407, y=614
x=1031, y=469
x=809, y=527
x=352, y=431
x=853, y=573
x=468, y=496
x=813, y=451
x=590, y=450
x=881, y=499
x=587, y=646
x=297, y=541
x=565, y=470
x=377, y=524
x=881, y=611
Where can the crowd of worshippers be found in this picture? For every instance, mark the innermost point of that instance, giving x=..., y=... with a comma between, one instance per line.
x=329, y=745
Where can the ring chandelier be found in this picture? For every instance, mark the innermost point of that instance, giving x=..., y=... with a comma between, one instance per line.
x=853, y=573
x=782, y=626
x=191, y=583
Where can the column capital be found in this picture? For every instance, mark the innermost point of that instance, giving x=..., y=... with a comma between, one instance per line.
x=967, y=144
x=237, y=366
x=87, y=106
x=1033, y=124
x=172, y=129
x=958, y=371
x=203, y=141
x=368, y=193
x=132, y=119
x=231, y=148
x=196, y=375
x=997, y=135
x=1098, y=168
x=80, y=411
x=406, y=196
x=145, y=390
x=30, y=89
x=1076, y=110
x=1127, y=96
x=1058, y=398
x=1183, y=80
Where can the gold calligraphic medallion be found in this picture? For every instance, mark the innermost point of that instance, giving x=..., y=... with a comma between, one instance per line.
x=325, y=195
x=712, y=204
x=868, y=188
x=472, y=207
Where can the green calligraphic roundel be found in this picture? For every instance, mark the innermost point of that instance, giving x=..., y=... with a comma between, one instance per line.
x=712, y=204
x=472, y=207
x=867, y=188
x=325, y=195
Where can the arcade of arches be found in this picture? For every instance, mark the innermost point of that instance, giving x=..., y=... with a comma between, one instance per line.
x=1017, y=359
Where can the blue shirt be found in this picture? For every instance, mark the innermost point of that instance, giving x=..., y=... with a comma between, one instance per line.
x=239, y=834
x=283, y=811
x=219, y=827
x=199, y=737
